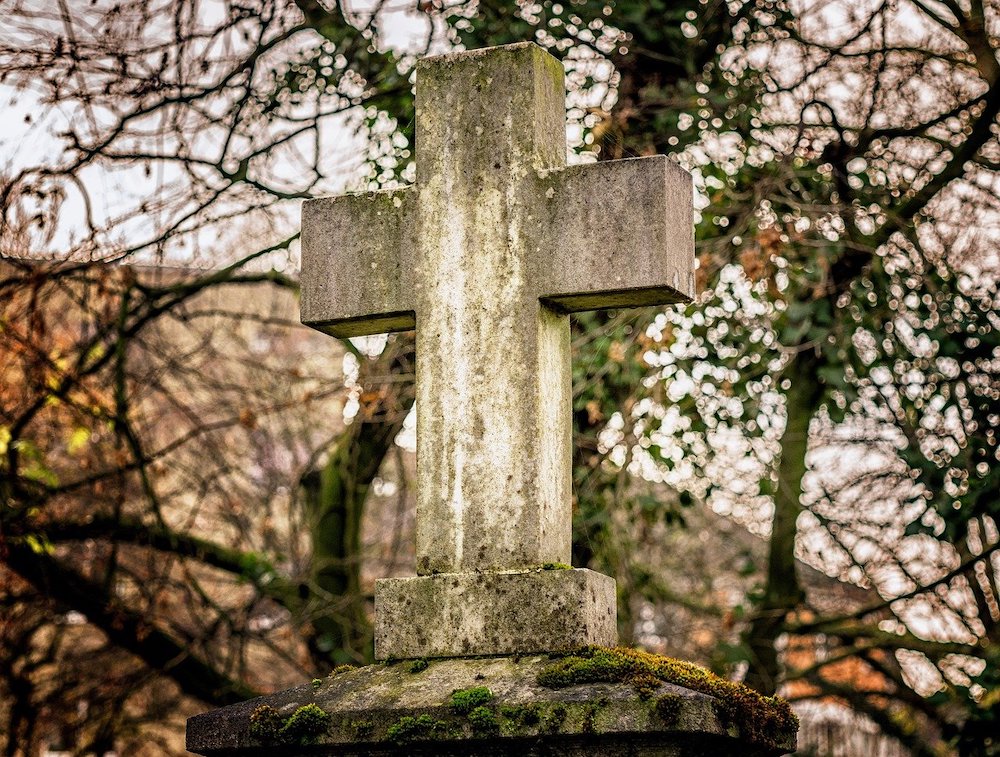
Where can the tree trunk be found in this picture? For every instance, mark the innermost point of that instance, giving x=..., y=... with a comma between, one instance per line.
x=782, y=592
x=334, y=497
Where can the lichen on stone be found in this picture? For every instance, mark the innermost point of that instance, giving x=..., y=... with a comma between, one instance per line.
x=762, y=720
x=590, y=717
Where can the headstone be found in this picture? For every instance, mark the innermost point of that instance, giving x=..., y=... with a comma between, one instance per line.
x=486, y=255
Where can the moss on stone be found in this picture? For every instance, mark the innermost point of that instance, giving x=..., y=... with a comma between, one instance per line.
x=668, y=707
x=646, y=684
x=556, y=566
x=762, y=720
x=530, y=716
x=265, y=723
x=306, y=723
x=464, y=701
x=303, y=725
x=553, y=719
x=521, y=714
x=363, y=729
x=409, y=728
x=730, y=710
x=511, y=711
x=484, y=721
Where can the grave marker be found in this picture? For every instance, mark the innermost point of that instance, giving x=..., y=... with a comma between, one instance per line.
x=486, y=255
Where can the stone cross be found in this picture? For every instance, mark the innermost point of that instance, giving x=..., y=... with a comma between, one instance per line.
x=486, y=256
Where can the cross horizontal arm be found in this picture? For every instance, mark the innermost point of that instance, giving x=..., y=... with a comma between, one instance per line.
x=617, y=234
x=356, y=266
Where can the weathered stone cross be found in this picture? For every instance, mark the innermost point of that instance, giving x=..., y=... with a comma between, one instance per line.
x=486, y=255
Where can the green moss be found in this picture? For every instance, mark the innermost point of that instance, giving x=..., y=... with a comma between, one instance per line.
x=306, y=723
x=484, y=720
x=511, y=711
x=556, y=566
x=646, y=685
x=552, y=720
x=265, y=723
x=530, y=716
x=523, y=714
x=668, y=707
x=418, y=666
x=760, y=719
x=411, y=729
x=342, y=669
x=724, y=713
x=303, y=725
x=465, y=701
x=363, y=729
x=317, y=682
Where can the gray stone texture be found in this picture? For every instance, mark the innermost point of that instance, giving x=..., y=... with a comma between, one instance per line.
x=467, y=614
x=486, y=254
x=367, y=706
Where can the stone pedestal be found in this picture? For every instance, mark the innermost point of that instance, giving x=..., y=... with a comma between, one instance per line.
x=499, y=613
x=603, y=702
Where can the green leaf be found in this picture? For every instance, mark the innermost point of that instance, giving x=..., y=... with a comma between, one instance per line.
x=41, y=474
x=78, y=440
x=39, y=544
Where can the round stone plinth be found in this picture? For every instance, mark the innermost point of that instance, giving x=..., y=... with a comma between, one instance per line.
x=597, y=701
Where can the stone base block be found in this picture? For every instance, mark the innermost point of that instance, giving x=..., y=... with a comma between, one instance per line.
x=475, y=614
x=489, y=707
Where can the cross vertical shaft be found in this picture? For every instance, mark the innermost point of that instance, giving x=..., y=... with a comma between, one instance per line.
x=493, y=379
